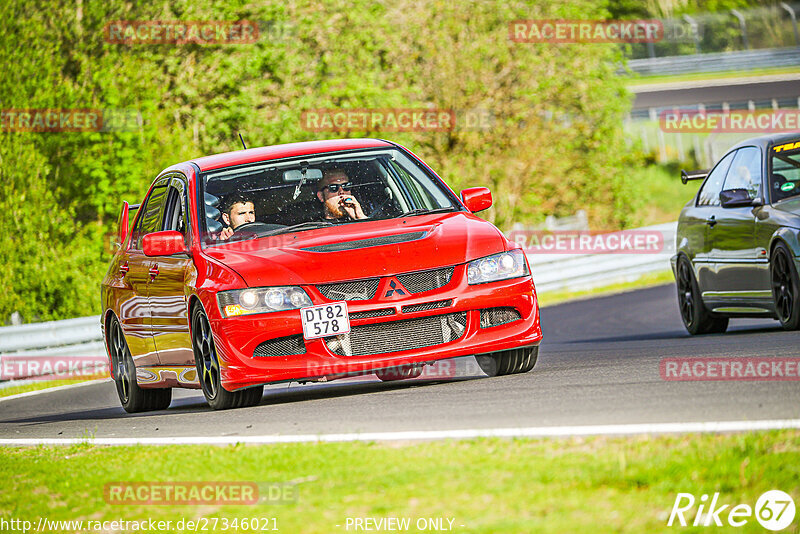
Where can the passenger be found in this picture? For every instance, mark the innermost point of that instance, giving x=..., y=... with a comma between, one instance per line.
x=334, y=193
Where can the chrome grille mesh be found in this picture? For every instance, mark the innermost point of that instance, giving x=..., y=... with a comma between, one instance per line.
x=356, y=290
x=427, y=306
x=426, y=280
x=411, y=334
x=281, y=346
x=372, y=313
x=498, y=316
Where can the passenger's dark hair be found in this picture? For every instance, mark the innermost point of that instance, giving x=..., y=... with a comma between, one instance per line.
x=230, y=200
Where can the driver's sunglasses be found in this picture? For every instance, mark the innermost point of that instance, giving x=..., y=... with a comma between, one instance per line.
x=334, y=188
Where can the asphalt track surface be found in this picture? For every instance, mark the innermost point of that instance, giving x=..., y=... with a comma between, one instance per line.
x=598, y=365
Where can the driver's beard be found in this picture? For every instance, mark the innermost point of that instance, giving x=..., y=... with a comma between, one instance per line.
x=333, y=208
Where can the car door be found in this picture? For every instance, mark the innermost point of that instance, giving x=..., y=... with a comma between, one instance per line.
x=135, y=310
x=167, y=295
x=697, y=222
x=739, y=268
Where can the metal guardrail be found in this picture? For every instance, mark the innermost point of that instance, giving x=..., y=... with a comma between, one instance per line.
x=83, y=337
x=717, y=62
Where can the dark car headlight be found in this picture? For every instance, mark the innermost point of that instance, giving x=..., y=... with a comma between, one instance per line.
x=261, y=300
x=496, y=267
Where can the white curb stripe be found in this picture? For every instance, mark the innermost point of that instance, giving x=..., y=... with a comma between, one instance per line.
x=414, y=435
x=52, y=389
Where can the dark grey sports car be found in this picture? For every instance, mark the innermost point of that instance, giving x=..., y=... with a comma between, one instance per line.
x=738, y=240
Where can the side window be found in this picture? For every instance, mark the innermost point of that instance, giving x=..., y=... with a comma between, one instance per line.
x=175, y=214
x=745, y=171
x=709, y=194
x=150, y=218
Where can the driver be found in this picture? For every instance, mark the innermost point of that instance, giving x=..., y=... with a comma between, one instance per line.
x=237, y=210
x=334, y=193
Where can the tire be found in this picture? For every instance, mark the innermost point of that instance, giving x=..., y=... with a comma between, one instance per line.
x=208, y=369
x=508, y=362
x=785, y=287
x=694, y=314
x=403, y=372
x=133, y=398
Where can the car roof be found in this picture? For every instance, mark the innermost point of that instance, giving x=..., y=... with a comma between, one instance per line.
x=265, y=153
x=766, y=140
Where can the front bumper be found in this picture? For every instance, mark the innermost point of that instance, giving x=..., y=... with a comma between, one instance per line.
x=236, y=338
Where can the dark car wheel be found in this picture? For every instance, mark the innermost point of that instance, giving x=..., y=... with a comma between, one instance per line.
x=694, y=314
x=133, y=398
x=508, y=362
x=208, y=370
x=403, y=372
x=785, y=287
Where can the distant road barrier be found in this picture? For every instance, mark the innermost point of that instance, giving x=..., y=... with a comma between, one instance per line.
x=551, y=272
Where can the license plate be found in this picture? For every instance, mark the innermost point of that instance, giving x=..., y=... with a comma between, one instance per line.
x=325, y=320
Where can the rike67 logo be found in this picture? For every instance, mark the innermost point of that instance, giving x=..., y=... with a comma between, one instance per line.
x=774, y=510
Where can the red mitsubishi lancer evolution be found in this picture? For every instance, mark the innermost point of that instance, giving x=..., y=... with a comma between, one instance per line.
x=308, y=262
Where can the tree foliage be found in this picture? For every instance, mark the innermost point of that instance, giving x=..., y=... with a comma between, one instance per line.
x=554, y=144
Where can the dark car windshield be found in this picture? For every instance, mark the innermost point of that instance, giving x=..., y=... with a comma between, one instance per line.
x=785, y=177
x=315, y=192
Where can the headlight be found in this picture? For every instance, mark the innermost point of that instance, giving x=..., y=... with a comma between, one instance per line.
x=261, y=300
x=497, y=267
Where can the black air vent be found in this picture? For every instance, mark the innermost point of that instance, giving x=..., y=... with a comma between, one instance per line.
x=366, y=243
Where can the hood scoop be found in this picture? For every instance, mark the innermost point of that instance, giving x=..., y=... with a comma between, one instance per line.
x=366, y=243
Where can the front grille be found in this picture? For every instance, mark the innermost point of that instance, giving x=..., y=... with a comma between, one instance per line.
x=498, y=316
x=427, y=306
x=372, y=313
x=281, y=346
x=371, y=242
x=426, y=280
x=356, y=290
x=364, y=340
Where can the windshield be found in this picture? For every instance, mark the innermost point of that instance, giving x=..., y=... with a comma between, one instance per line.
x=785, y=178
x=314, y=192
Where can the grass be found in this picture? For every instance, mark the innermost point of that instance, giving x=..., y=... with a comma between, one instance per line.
x=36, y=386
x=663, y=195
x=702, y=76
x=486, y=485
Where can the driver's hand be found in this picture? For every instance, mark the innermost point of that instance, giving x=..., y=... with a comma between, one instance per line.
x=351, y=207
x=226, y=233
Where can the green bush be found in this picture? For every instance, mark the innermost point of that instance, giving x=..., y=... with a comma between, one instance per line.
x=555, y=144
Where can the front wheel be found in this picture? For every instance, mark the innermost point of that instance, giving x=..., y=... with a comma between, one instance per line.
x=133, y=398
x=508, y=362
x=208, y=369
x=695, y=317
x=785, y=287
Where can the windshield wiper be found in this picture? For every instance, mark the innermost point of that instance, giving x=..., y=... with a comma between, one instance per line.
x=308, y=225
x=421, y=211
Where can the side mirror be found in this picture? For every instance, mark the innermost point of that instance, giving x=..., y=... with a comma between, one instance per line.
x=735, y=198
x=164, y=243
x=476, y=198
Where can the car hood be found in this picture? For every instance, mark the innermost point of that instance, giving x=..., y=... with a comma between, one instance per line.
x=361, y=250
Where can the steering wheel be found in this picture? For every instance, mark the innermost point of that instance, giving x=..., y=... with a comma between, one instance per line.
x=251, y=229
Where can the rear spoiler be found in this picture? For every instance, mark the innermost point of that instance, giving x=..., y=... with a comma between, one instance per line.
x=693, y=175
